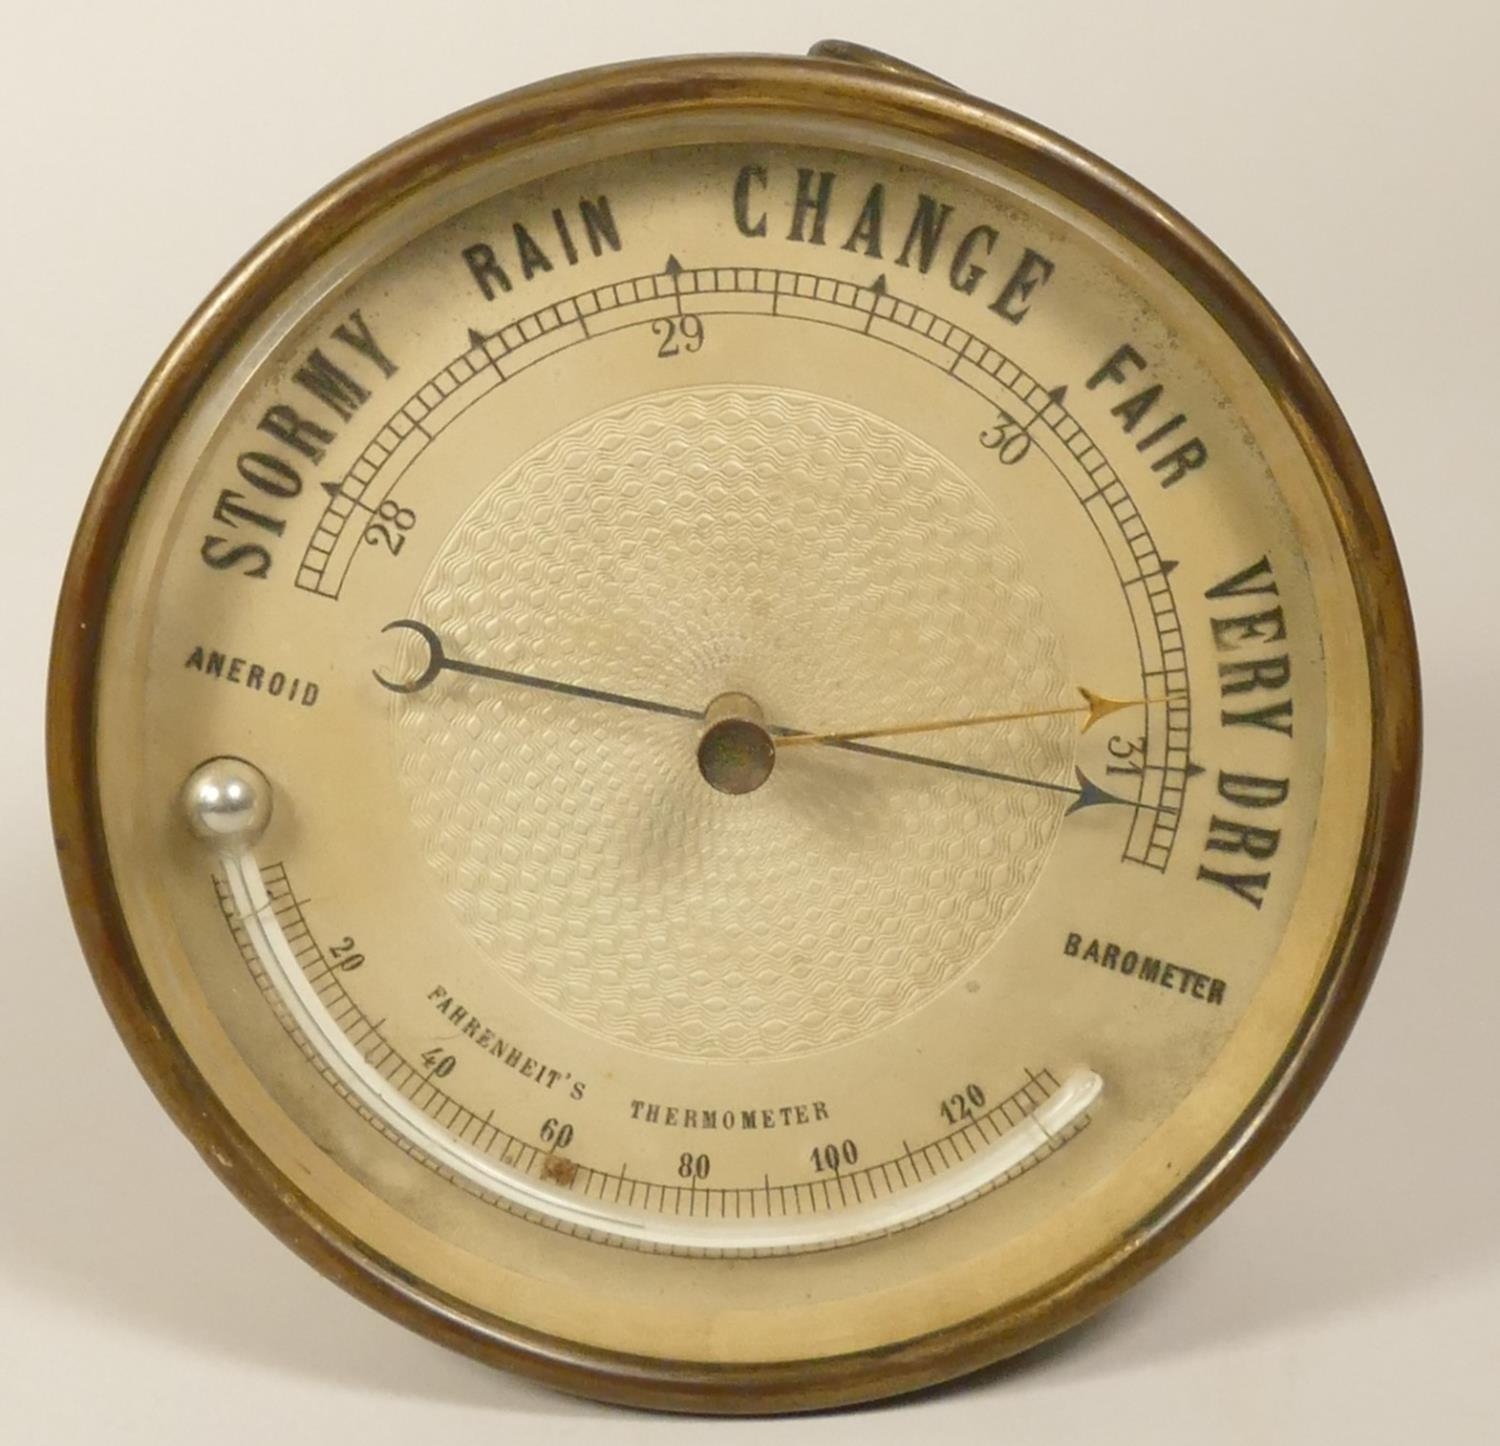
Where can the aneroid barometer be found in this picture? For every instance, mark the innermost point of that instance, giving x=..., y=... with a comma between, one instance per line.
x=738, y=732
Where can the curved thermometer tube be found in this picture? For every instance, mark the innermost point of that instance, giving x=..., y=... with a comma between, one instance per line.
x=1045, y=1129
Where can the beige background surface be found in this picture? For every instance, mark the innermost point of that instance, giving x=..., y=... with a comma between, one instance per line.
x=1343, y=154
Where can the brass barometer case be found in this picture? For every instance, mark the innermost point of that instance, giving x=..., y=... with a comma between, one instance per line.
x=737, y=732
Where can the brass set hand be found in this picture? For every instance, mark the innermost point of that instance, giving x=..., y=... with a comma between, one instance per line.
x=1095, y=706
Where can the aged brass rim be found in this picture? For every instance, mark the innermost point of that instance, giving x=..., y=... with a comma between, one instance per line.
x=590, y=100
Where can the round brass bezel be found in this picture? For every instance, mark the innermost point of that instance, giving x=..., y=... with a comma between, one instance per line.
x=925, y=109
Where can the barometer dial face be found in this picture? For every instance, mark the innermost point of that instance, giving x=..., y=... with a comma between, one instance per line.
x=738, y=732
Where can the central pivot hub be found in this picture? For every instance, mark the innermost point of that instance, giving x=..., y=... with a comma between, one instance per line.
x=736, y=753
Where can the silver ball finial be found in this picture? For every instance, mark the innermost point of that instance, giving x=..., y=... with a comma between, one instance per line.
x=227, y=802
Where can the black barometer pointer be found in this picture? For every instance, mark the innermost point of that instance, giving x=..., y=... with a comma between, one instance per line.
x=440, y=661
x=1085, y=794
